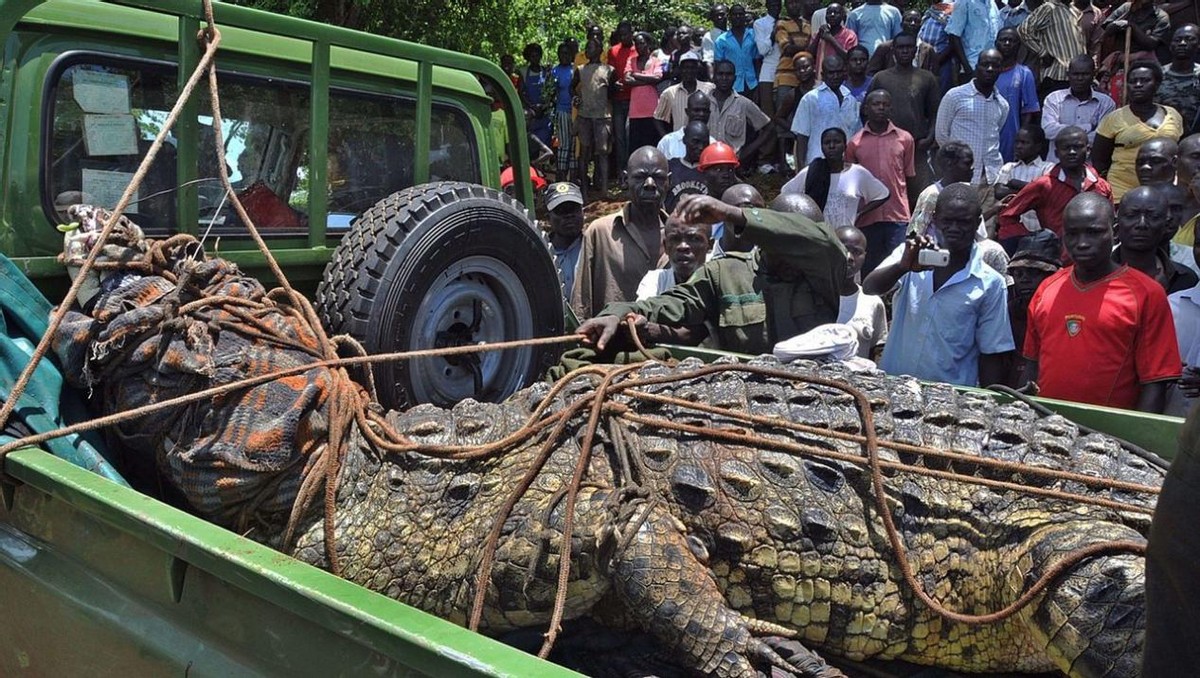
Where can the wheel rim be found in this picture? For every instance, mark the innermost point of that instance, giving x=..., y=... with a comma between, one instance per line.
x=477, y=299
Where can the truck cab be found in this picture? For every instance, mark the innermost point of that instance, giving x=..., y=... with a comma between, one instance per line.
x=320, y=124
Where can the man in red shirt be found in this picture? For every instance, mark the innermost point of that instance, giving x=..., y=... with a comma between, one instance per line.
x=887, y=152
x=618, y=58
x=1100, y=332
x=1049, y=194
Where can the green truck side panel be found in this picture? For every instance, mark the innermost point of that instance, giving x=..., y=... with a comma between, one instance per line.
x=110, y=579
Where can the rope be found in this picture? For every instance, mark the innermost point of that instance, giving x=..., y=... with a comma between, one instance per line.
x=206, y=61
x=348, y=407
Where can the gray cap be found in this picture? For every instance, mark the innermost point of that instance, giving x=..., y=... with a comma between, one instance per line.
x=561, y=192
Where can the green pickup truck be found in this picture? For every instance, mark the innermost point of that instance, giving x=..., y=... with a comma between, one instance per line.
x=320, y=125
x=371, y=166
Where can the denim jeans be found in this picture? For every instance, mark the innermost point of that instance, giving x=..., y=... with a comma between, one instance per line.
x=883, y=237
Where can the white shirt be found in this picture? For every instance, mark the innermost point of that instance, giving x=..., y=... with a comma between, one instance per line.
x=1181, y=254
x=818, y=20
x=819, y=110
x=1027, y=172
x=672, y=145
x=708, y=44
x=849, y=189
x=1185, y=309
x=764, y=39
x=865, y=314
x=655, y=282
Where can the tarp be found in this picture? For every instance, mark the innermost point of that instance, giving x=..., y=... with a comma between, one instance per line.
x=47, y=403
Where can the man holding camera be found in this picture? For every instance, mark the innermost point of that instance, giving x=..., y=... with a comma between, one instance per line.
x=950, y=316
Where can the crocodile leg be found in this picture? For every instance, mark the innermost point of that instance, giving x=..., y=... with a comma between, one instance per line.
x=667, y=589
x=1094, y=618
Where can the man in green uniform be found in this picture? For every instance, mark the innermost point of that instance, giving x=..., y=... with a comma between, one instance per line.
x=750, y=299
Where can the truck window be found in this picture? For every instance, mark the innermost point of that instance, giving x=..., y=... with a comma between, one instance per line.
x=105, y=111
x=265, y=133
x=372, y=150
x=102, y=118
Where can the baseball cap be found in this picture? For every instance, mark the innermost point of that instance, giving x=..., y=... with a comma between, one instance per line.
x=689, y=56
x=562, y=192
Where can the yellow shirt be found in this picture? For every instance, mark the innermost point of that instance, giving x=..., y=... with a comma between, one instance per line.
x=1128, y=133
x=1186, y=235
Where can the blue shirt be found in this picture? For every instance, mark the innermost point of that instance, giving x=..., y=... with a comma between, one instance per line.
x=933, y=30
x=1011, y=17
x=938, y=336
x=874, y=24
x=1019, y=88
x=976, y=23
x=563, y=76
x=742, y=54
x=567, y=260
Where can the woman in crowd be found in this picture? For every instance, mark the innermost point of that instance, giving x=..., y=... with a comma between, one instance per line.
x=1122, y=132
x=642, y=75
x=844, y=191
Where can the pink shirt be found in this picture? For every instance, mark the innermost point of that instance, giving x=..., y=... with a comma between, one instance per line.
x=888, y=156
x=845, y=39
x=643, y=99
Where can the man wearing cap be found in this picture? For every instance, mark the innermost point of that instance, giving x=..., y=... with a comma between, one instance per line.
x=618, y=249
x=751, y=300
x=564, y=203
x=672, y=107
x=1037, y=258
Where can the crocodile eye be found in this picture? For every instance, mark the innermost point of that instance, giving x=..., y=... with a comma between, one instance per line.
x=693, y=487
x=824, y=477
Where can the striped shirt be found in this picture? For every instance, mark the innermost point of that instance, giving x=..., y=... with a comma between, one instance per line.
x=968, y=116
x=1053, y=30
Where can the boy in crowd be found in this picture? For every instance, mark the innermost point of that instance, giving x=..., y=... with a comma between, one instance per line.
x=686, y=176
x=887, y=152
x=1049, y=194
x=686, y=247
x=1027, y=166
x=1100, y=332
x=594, y=117
x=864, y=313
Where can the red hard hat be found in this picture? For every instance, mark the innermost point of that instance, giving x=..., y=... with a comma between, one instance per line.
x=507, y=179
x=717, y=153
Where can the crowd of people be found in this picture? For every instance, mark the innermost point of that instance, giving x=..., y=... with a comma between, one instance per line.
x=981, y=193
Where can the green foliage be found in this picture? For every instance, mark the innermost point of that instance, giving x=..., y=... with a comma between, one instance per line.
x=490, y=28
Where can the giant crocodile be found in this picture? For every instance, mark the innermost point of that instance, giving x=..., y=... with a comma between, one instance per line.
x=701, y=538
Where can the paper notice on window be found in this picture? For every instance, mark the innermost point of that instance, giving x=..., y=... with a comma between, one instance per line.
x=98, y=92
x=106, y=188
x=109, y=134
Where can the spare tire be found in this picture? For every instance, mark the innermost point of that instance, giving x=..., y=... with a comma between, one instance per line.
x=445, y=264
